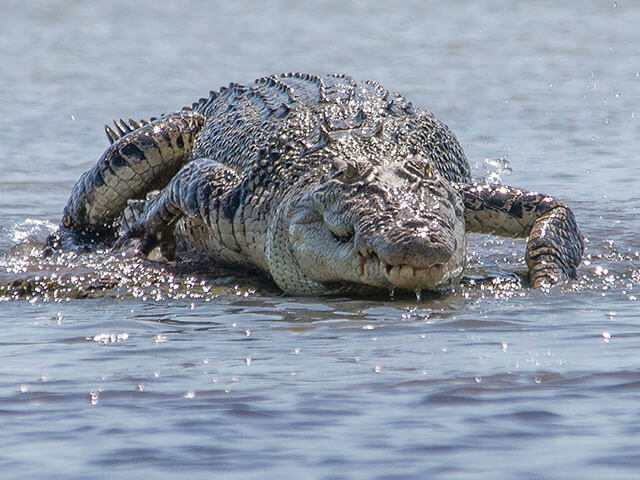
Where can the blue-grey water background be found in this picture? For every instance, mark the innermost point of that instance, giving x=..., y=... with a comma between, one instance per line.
x=211, y=374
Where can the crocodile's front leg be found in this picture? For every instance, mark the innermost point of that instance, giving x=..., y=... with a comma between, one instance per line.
x=555, y=244
x=203, y=193
x=137, y=162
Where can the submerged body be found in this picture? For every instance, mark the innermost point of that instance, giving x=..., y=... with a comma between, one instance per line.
x=325, y=184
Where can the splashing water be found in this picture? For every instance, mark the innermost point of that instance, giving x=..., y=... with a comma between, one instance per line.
x=495, y=168
x=25, y=272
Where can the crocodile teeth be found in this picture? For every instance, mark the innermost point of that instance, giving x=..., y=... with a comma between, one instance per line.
x=406, y=276
x=403, y=276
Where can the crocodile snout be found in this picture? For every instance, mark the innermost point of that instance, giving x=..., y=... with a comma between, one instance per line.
x=417, y=250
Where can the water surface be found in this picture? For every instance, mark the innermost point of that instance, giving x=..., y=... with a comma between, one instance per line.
x=194, y=370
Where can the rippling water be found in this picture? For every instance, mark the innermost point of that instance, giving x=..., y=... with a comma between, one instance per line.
x=112, y=366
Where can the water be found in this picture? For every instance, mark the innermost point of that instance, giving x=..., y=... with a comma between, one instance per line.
x=197, y=371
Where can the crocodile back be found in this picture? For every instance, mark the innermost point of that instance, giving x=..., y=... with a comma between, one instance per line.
x=303, y=113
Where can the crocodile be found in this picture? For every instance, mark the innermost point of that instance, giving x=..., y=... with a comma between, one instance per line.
x=326, y=184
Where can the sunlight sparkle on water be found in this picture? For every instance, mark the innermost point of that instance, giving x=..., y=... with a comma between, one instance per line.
x=109, y=337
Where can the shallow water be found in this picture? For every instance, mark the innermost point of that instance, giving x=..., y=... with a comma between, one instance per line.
x=192, y=370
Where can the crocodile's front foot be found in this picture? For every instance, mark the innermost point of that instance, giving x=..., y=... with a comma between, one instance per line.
x=554, y=249
x=555, y=244
x=157, y=246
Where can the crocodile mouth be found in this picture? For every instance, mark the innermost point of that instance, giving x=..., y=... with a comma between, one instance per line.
x=329, y=257
x=404, y=275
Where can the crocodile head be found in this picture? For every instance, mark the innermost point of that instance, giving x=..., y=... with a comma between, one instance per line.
x=391, y=224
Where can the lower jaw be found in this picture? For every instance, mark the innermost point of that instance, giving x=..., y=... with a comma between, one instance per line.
x=408, y=278
x=436, y=277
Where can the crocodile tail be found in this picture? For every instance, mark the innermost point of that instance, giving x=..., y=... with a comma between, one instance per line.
x=139, y=160
x=122, y=128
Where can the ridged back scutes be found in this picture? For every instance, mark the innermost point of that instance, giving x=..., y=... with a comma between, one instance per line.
x=269, y=93
x=205, y=102
x=296, y=106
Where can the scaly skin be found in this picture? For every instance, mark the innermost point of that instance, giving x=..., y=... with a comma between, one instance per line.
x=326, y=184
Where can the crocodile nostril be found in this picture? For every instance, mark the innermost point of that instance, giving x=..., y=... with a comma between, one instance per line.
x=413, y=224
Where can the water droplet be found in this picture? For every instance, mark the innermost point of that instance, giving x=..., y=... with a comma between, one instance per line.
x=368, y=327
x=247, y=361
x=537, y=379
x=377, y=369
x=599, y=271
x=606, y=336
x=495, y=168
x=109, y=337
x=392, y=293
x=140, y=387
x=159, y=338
x=94, y=397
x=190, y=394
x=478, y=379
x=24, y=388
x=504, y=346
x=419, y=295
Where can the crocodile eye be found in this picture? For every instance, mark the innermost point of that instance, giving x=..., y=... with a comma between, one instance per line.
x=346, y=170
x=350, y=172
